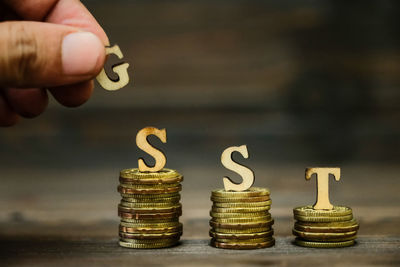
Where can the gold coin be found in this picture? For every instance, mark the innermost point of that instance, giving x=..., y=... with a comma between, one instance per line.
x=176, y=208
x=140, y=216
x=310, y=244
x=323, y=219
x=239, y=200
x=242, y=225
x=149, y=236
x=136, y=174
x=168, y=200
x=308, y=211
x=238, y=236
x=148, y=246
x=150, y=230
x=242, y=246
x=155, y=181
x=144, y=226
x=153, y=196
x=325, y=236
x=149, y=221
x=149, y=241
x=151, y=181
x=243, y=220
x=239, y=210
x=243, y=205
x=251, y=192
x=242, y=231
x=328, y=229
x=238, y=215
x=131, y=191
x=242, y=241
x=145, y=205
x=329, y=224
x=148, y=186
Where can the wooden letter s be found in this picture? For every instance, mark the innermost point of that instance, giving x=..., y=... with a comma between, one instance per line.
x=230, y=164
x=143, y=144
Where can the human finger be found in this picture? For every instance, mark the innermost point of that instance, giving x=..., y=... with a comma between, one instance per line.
x=40, y=54
x=7, y=116
x=73, y=95
x=28, y=103
x=65, y=12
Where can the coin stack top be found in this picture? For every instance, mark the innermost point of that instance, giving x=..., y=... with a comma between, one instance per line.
x=241, y=220
x=150, y=208
x=324, y=228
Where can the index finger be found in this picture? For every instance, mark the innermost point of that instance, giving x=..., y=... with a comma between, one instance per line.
x=65, y=12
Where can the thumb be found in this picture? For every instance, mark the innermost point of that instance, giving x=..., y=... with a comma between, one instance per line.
x=37, y=54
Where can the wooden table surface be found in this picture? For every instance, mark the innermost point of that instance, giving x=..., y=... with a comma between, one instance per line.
x=63, y=222
x=58, y=197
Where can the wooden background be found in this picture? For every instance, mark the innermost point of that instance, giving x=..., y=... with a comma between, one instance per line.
x=302, y=83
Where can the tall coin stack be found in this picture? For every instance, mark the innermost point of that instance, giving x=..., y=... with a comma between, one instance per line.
x=241, y=220
x=324, y=228
x=149, y=208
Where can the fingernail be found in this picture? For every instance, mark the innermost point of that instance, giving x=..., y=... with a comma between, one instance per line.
x=81, y=53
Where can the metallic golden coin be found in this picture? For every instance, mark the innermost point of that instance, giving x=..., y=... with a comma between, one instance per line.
x=151, y=200
x=242, y=231
x=150, y=230
x=152, y=196
x=238, y=215
x=325, y=236
x=239, y=210
x=331, y=229
x=136, y=174
x=145, y=226
x=149, y=241
x=218, y=235
x=329, y=224
x=310, y=244
x=242, y=225
x=251, y=192
x=145, y=205
x=140, y=216
x=323, y=219
x=149, y=246
x=243, y=205
x=308, y=211
x=176, y=208
x=239, y=200
x=149, y=186
x=149, y=236
x=155, y=181
x=151, y=181
x=243, y=220
x=242, y=246
x=129, y=230
x=131, y=191
x=149, y=221
x=242, y=241
x=151, y=224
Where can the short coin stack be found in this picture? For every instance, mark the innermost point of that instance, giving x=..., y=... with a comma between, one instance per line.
x=149, y=208
x=241, y=220
x=324, y=228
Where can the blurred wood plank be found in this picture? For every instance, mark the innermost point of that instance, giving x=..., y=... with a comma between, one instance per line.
x=369, y=251
x=254, y=53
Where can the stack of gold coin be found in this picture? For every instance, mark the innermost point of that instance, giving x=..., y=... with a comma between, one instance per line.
x=241, y=220
x=324, y=228
x=149, y=208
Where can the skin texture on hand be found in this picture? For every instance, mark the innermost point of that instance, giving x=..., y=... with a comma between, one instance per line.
x=53, y=46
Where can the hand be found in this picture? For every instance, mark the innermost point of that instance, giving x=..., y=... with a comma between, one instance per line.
x=46, y=45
